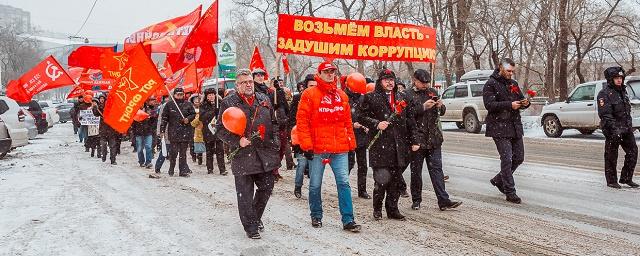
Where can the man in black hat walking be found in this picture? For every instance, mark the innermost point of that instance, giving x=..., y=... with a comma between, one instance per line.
x=177, y=117
x=614, y=110
x=426, y=140
x=503, y=100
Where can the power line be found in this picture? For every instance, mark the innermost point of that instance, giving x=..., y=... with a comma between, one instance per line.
x=85, y=20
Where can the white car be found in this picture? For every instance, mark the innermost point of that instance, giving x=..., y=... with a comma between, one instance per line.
x=30, y=124
x=465, y=105
x=580, y=111
x=52, y=112
x=13, y=119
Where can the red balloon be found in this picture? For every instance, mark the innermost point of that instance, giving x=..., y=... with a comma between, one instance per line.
x=357, y=83
x=88, y=92
x=294, y=136
x=371, y=87
x=140, y=116
x=234, y=120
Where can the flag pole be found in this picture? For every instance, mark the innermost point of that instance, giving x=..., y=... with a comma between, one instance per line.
x=174, y=100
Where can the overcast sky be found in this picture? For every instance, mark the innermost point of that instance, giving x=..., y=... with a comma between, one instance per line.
x=111, y=20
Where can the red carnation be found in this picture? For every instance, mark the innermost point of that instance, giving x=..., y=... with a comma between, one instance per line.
x=515, y=89
x=261, y=131
x=532, y=93
x=326, y=161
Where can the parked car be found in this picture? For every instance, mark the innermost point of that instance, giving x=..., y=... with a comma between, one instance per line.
x=30, y=123
x=64, y=111
x=14, y=119
x=52, y=112
x=40, y=116
x=465, y=106
x=580, y=111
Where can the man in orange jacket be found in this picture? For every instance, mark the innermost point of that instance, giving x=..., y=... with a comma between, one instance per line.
x=326, y=137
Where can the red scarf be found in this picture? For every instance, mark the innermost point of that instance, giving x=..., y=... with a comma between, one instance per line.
x=248, y=100
x=331, y=103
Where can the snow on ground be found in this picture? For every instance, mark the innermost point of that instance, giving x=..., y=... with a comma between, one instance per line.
x=55, y=200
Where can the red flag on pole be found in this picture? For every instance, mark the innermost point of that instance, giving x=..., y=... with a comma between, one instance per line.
x=199, y=46
x=168, y=36
x=285, y=64
x=139, y=80
x=88, y=56
x=48, y=74
x=190, y=82
x=256, y=62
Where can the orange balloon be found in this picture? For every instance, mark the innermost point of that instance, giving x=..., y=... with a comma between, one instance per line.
x=294, y=136
x=234, y=120
x=371, y=87
x=140, y=116
x=357, y=83
x=88, y=92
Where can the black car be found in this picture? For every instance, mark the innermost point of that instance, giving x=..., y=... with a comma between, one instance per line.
x=40, y=116
x=64, y=111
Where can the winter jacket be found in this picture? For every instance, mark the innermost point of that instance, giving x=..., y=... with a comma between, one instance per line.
x=105, y=130
x=262, y=155
x=148, y=126
x=502, y=120
x=159, y=123
x=428, y=133
x=614, y=110
x=278, y=99
x=177, y=130
x=324, y=119
x=391, y=149
x=355, y=99
x=208, y=112
x=293, y=110
x=197, y=128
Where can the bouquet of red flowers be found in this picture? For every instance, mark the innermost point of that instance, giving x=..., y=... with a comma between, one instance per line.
x=399, y=107
x=255, y=135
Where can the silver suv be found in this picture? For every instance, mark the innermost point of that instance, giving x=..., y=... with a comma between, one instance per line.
x=464, y=101
x=580, y=111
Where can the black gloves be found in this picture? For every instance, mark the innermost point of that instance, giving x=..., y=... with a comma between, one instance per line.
x=308, y=155
x=296, y=149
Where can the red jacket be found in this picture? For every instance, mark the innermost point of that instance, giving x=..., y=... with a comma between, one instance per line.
x=324, y=119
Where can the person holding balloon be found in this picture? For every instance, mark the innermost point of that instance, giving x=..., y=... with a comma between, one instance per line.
x=247, y=124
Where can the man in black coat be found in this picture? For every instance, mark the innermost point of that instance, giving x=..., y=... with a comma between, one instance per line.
x=426, y=140
x=177, y=117
x=208, y=113
x=360, y=154
x=257, y=156
x=108, y=136
x=614, y=110
x=388, y=155
x=503, y=100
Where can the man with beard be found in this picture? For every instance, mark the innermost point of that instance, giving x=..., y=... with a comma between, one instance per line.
x=614, y=110
x=257, y=157
x=383, y=112
x=426, y=140
x=503, y=100
x=214, y=146
x=176, y=118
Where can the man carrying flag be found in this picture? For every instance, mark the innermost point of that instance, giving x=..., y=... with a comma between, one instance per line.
x=177, y=117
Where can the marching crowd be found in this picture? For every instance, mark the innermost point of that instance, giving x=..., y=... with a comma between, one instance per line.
x=389, y=129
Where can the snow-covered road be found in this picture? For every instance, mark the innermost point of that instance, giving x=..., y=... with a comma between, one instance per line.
x=55, y=200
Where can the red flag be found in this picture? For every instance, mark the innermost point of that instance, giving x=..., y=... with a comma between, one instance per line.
x=199, y=46
x=256, y=62
x=75, y=73
x=75, y=92
x=166, y=71
x=285, y=64
x=88, y=56
x=190, y=82
x=48, y=74
x=139, y=80
x=168, y=36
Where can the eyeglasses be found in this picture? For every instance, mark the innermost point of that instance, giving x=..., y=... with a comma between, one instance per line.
x=248, y=82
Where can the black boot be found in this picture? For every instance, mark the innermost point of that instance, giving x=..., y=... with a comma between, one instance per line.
x=364, y=195
x=297, y=192
x=513, y=198
x=396, y=215
x=377, y=214
x=631, y=184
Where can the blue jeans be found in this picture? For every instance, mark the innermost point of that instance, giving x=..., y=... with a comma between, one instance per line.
x=339, y=164
x=144, y=142
x=302, y=164
x=161, y=157
x=82, y=134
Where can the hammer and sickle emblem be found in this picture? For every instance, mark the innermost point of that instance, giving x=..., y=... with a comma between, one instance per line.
x=53, y=71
